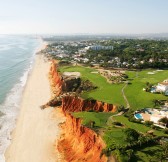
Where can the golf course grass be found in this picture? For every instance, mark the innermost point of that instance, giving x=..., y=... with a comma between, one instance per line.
x=111, y=93
x=138, y=98
x=106, y=92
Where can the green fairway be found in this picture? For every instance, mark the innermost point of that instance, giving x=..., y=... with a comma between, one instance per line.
x=114, y=136
x=137, y=126
x=110, y=93
x=136, y=96
x=100, y=118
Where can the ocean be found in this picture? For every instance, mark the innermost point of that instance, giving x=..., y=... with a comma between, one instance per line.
x=16, y=59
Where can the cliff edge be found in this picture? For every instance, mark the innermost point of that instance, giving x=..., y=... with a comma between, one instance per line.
x=78, y=143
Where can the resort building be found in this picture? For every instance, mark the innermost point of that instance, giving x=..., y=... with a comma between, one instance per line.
x=154, y=115
x=99, y=47
x=163, y=86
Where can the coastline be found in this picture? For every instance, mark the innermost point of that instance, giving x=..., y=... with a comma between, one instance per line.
x=34, y=136
x=77, y=142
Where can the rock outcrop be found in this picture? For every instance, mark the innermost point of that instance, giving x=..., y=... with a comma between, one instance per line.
x=76, y=104
x=79, y=143
x=68, y=82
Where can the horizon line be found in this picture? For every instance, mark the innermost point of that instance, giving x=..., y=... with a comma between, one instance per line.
x=83, y=33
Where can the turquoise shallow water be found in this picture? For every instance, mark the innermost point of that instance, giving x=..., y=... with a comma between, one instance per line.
x=16, y=59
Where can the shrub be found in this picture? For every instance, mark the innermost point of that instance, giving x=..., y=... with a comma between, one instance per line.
x=155, y=127
x=132, y=119
x=148, y=123
x=118, y=123
x=165, y=131
x=129, y=113
x=121, y=108
x=131, y=135
x=91, y=110
x=106, y=151
x=164, y=120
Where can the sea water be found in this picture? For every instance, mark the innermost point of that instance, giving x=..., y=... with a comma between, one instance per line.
x=16, y=59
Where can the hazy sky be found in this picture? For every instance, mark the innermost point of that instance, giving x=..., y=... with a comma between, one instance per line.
x=83, y=16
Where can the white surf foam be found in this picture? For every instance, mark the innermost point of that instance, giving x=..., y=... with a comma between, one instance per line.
x=10, y=109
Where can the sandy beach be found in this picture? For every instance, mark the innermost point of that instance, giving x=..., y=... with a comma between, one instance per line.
x=34, y=138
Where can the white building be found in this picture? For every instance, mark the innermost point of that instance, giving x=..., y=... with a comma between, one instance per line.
x=151, y=60
x=155, y=119
x=163, y=86
x=99, y=47
x=85, y=60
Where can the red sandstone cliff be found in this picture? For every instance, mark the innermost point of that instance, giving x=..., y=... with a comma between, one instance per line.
x=76, y=104
x=80, y=143
x=55, y=79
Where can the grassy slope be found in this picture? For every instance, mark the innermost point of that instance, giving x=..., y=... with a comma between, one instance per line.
x=100, y=118
x=138, y=127
x=112, y=135
x=136, y=96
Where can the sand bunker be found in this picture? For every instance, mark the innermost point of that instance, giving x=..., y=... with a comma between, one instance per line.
x=72, y=74
x=151, y=73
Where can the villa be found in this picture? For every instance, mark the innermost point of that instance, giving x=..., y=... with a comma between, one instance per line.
x=161, y=87
x=154, y=115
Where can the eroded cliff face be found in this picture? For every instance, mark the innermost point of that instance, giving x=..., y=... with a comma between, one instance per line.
x=55, y=78
x=68, y=82
x=79, y=143
x=76, y=104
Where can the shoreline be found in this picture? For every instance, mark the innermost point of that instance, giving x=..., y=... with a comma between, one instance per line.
x=11, y=104
x=33, y=138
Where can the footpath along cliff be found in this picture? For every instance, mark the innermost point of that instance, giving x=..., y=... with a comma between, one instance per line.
x=78, y=143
